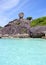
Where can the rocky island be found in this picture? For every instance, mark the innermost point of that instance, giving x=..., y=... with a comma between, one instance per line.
x=20, y=28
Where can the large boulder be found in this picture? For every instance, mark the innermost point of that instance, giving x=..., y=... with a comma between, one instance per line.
x=37, y=34
x=21, y=15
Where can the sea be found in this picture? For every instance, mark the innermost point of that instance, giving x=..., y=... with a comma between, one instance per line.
x=23, y=51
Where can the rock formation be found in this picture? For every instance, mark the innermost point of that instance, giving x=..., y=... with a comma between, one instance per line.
x=37, y=35
x=38, y=31
x=21, y=15
x=21, y=28
x=18, y=26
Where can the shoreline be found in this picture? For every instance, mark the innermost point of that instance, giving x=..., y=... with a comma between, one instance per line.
x=22, y=36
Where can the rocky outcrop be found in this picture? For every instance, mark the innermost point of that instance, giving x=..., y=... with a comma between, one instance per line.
x=37, y=35
x=38, y=29
x=38, y=32
x=18, y=26
x=21, y=28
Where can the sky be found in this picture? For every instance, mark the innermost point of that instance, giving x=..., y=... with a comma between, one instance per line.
x=9, y=9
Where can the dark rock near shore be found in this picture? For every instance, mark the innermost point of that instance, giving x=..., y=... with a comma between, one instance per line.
x=37, y=35
x=38, y=31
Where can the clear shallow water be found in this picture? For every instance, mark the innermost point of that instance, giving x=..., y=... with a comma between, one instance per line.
x=22, y=52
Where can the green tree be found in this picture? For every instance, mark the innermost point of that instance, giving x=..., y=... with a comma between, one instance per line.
x=38, y=22
x=29, y=18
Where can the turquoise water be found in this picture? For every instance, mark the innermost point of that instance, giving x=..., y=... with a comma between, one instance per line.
x=22, y=51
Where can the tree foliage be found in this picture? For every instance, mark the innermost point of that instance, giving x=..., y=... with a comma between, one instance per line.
x=29, y=18
x=38, y=22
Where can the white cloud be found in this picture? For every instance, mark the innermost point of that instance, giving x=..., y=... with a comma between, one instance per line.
x=19, y=7
x=8, y=4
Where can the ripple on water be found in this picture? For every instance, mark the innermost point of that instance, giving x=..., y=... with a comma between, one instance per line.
x=23, y=51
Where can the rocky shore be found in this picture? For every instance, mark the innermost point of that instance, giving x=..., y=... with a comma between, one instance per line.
x=15, y=36
x=20, y=28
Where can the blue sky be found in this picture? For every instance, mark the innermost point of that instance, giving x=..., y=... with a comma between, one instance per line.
x=9, y=9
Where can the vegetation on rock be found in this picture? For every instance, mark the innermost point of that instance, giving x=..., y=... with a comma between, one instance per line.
x=38, y=22
x=29, y=18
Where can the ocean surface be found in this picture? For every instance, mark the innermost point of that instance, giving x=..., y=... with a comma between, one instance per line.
x=22, y=51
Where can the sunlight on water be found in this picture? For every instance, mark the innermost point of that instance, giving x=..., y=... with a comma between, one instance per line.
x=22, y=51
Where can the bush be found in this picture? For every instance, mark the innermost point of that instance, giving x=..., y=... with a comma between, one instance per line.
x=40, y=21
x=29, y=18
